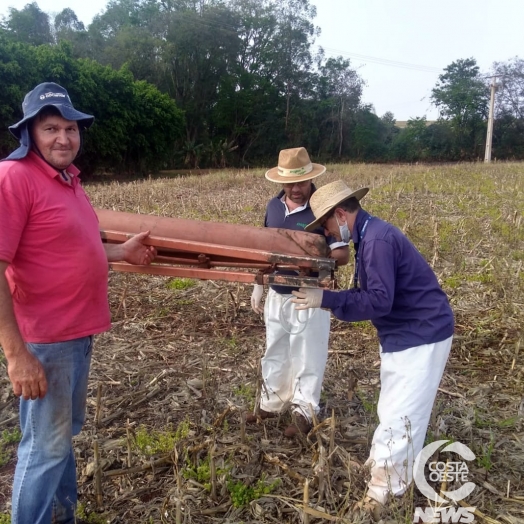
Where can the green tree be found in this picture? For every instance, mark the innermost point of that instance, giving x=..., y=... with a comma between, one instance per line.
x=272, y=81
x=367, y=140
x=250, y=114
x=136, y=127
x=341, y=87
x=510, y=94
x=250, y=109
x=410, y=144
x=390, y=129
x=129, y=32
x=68, y=28
x=29, y=25
x=19, y=74
x=158, y=125
x=242, y=71
x=439, y=143
x=508, y=137
x=67, y=21
x=462, y=98
x=200, y=51
x=508, y=128
x=291, y=57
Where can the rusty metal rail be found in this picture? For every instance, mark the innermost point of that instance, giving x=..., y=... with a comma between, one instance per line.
x=207, y=261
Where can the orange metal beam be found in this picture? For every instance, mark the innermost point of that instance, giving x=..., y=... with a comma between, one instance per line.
x=187, y=272
x=229, y=276
x=230, y=252
x=274, y=240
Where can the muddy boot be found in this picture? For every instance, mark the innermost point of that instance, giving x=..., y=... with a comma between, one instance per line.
x=251, y=418
x=300, y=425
x=370, y=507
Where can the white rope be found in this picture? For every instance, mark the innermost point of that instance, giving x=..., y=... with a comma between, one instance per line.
x=284, y=322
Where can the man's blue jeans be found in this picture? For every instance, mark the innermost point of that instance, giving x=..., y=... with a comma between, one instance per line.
x=45, y=477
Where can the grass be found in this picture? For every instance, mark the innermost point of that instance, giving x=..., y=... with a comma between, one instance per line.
x=245, y=391
x=8, y=439
x=369, y=402
x=153, y=442
x=242, y=494
x=89, y=517
x=485, y=454
x=231, y=344
x=178, y=284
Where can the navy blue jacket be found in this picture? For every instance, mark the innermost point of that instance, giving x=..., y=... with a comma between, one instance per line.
x=398, y=291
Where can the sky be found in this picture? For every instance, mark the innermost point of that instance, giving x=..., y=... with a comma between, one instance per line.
x=424, y=36
x=399, y=47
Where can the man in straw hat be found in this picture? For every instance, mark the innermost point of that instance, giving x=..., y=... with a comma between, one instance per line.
x=296, y=347
x=397, y=290
x=53, y=298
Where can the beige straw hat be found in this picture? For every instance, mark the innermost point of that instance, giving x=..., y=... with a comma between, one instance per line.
x=294, y=165
x=326, y=198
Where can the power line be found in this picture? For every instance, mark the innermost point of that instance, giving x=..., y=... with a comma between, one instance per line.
x=381, y=61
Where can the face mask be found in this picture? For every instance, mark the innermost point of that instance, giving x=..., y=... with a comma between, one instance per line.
x=344, y=231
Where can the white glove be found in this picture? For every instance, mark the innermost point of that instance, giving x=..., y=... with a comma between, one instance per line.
x=307, y=298
x=256, y=298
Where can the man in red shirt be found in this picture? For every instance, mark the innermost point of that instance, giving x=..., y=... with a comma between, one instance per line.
x=53, y=298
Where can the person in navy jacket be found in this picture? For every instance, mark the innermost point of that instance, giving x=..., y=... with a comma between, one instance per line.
x=396, y=289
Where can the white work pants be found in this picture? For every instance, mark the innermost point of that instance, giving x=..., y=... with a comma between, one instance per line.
x=293, y=364
x=409, y=382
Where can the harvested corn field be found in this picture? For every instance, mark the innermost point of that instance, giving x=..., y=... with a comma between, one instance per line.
x=164, y=440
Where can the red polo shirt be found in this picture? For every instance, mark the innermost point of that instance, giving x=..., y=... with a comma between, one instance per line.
x=58, y=269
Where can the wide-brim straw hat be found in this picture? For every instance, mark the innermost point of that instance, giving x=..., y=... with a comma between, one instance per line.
x=294, y=165
x=328, y=197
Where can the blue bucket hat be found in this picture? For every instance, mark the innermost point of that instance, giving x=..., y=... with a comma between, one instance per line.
x=44, y=95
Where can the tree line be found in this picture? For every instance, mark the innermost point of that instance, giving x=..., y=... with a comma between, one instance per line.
x=216, y=83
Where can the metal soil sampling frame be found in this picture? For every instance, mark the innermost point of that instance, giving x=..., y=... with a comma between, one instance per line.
x=230, y=252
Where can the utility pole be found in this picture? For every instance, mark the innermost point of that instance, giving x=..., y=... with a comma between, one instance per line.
x=489, y=137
